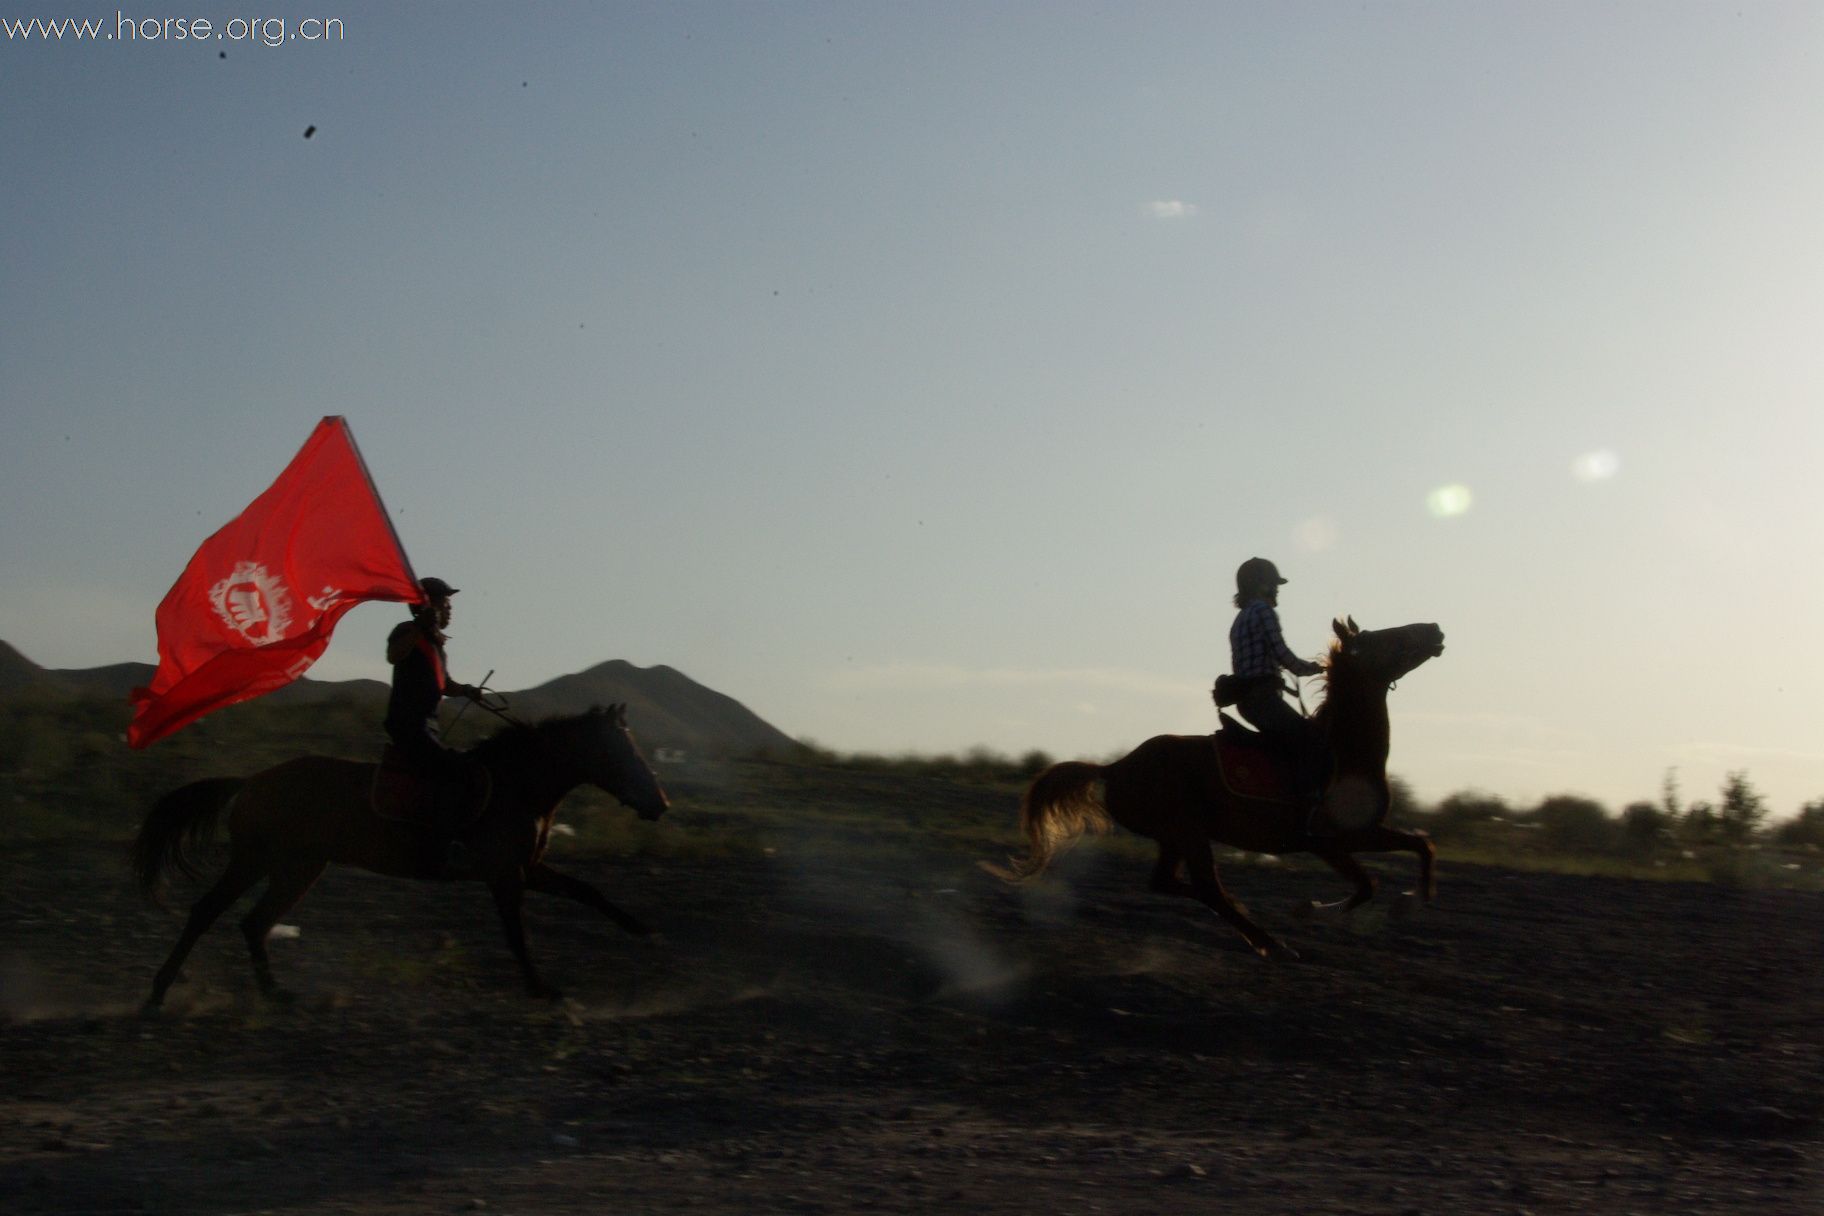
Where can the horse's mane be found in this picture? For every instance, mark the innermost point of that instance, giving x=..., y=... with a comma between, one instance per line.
x=520, y=741
x=1334, y=663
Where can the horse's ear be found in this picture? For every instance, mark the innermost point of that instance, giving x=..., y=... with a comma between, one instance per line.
x=1353, y=627
x=1342, y=630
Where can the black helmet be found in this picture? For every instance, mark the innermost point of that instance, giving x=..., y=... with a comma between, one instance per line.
x=435, y=588
x=1257, y=572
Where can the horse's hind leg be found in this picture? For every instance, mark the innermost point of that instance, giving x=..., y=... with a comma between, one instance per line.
x=289, y=882
x=1200, y=863
x=1165, y=878
x=541, y=877
x=241, y=875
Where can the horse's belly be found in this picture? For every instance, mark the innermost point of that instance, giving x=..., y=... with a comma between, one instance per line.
x=306, y=803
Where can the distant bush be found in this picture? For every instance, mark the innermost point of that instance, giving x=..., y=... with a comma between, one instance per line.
x=1736, y=819
x=1806, y=829
x=1461, y=814
x=1742, y=811
x=1573, y=825
x=979, y=765
x=1646, y=826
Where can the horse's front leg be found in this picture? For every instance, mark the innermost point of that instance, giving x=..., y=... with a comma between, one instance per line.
x=541, y=877
x=1349, y=868
x=509, y=897
x=1383, y=839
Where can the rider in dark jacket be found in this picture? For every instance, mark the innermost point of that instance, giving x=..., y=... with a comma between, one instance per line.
x=420, y=683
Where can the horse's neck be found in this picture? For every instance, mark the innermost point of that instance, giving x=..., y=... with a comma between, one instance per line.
x=542, y=774
x=1360, y=736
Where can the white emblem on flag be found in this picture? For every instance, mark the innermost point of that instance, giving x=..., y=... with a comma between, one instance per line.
x=254, y=603
x=330, y=597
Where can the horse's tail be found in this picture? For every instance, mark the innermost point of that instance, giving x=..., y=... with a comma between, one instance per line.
x=178, y=823
x=1060, y=805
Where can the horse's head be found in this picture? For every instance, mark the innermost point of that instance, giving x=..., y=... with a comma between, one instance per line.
x=614, y=763
x=1383, y=655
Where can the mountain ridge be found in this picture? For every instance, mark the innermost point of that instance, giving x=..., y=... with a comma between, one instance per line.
x=665, y=707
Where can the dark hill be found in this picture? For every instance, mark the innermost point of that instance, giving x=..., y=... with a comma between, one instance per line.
x=114, y=680
x=306, y=691
x=18, y=672
x=665, y=707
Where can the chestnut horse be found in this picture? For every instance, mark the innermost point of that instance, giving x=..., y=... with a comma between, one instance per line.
x=287, y=823
x=1171, y=790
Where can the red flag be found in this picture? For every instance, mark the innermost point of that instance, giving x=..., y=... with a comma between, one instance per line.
x=256, y=605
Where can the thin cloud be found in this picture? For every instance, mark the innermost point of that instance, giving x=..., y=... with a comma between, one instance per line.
x=1744, y=753
x=1170, y=209
x=946, y=677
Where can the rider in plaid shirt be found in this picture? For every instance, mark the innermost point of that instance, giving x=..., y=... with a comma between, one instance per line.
x=1258, y=652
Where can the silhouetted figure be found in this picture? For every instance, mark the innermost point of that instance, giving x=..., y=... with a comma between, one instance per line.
x=421, y=681
x=1257, y=654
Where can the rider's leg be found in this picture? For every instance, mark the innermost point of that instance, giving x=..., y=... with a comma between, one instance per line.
x=1293, y=736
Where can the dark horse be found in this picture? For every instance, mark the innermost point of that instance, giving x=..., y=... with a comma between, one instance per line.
x=287, y=823
x=1171, y=789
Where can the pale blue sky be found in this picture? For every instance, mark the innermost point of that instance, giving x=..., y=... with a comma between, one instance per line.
x=918, y=374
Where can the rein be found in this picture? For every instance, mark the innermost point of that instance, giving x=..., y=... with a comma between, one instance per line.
x=498, y=706
x=500, y=711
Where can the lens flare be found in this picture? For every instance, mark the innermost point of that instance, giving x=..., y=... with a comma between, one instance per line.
x=1599, y=465
x=1316, y=534
x=1449, y=501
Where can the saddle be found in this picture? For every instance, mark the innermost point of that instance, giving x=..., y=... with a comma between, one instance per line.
x=1250, y=769
x=404, y=793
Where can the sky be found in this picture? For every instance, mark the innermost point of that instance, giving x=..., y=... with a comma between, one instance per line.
x=918, y=375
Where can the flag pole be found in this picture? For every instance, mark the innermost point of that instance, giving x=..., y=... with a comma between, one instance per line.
x=373, y=489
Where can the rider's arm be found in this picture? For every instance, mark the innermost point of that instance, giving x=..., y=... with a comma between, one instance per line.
x=1283, y=652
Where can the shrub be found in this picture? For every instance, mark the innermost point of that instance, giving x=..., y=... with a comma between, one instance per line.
x=1645, y=825
x=1576, y=825
x=1806, y=829
x=1742, y=810
x=1034, y=762
x=1462, y=813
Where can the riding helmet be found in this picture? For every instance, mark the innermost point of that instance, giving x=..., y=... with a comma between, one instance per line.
x=1257, y=572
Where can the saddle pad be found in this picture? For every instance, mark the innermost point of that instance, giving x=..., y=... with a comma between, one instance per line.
x=1250, y=771
x=401, y=793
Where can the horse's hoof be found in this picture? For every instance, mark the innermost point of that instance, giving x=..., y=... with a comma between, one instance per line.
x=1403, y=905
x=153, y=1007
